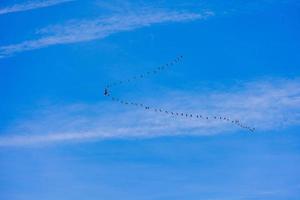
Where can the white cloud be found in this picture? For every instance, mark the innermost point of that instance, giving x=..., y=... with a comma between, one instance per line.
x=31, y=5
x=267, y=105
x=86, y=30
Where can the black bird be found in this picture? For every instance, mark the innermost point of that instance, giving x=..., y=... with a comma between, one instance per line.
x=106, y=92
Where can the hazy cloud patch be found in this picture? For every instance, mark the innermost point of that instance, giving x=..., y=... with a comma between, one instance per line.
x=266, y=105
x=31, y=5
x=87, y=30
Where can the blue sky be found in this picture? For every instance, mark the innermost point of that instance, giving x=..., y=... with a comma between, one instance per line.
x=60, y=138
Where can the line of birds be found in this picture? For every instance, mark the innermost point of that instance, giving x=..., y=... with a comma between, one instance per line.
x=148, y=73
x=107, y=93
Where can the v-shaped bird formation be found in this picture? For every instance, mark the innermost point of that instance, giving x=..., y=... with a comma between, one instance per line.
x=157, y=70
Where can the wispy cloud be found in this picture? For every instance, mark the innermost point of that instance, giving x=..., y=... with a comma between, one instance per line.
x=31, y=5
x=267, y=105
x=86, y=30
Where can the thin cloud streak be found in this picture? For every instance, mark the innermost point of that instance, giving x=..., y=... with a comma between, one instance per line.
x=31, y=5
x=267, y=105
x=86, y=30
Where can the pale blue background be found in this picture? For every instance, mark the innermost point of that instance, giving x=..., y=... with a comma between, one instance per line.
x=243, y=41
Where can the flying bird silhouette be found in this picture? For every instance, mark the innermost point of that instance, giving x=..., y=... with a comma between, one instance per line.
x=107, y=93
